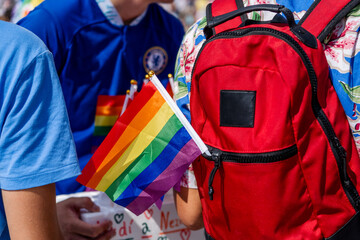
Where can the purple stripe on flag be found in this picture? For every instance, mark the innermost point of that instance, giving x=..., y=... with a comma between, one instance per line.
x=166, y=180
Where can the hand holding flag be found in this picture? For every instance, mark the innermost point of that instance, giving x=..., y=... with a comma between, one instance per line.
x=146, y=152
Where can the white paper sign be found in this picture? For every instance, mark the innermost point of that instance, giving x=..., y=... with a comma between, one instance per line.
x=153, y=224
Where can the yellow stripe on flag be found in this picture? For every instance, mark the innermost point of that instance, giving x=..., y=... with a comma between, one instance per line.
x=104, y=121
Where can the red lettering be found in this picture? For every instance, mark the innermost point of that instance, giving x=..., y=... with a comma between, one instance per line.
x=122, y=230
x=178, y=222
x=172, y=224
x=164, y=220
x=131, y=222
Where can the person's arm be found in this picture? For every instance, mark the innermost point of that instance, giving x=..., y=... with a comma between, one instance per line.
x=188, y=207
x=187, y=201
x=36, y=144
x=31, y=213
x=74, y=228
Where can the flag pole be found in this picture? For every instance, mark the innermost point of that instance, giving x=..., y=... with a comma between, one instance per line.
x=201, y=145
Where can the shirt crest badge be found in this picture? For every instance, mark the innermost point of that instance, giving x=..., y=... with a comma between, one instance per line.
x=155, y=59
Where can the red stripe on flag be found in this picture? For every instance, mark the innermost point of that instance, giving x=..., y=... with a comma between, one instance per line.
x=114, y=101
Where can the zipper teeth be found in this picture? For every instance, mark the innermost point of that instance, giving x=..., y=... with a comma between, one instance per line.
x=352, y=194
x=267, y=157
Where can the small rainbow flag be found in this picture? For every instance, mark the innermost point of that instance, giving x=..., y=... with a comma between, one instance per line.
x=146, y=152
x=108, y=109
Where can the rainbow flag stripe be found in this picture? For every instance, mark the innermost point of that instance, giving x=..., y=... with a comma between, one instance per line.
x=146, y=152
x=108, y=110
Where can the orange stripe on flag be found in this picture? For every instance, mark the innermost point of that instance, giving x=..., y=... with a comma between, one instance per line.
x=108, y=110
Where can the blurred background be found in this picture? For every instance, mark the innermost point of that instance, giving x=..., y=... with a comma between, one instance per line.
x=188, y=11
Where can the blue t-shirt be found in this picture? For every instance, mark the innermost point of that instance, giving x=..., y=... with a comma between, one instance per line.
x=36, y=145
x=95, y=57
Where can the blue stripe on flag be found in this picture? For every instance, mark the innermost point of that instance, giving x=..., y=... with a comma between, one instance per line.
x=155, y=168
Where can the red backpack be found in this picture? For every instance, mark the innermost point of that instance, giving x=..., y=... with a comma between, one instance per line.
x=283, y=161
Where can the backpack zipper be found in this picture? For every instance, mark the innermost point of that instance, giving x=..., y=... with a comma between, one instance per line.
x=335, y=145
x=219, y=156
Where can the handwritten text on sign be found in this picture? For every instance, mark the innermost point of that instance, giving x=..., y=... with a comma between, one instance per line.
x=153, y=224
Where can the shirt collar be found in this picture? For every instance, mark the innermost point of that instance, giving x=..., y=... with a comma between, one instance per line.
x=113, y=16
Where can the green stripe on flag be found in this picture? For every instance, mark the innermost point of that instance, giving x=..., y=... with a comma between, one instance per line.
x=102, y=131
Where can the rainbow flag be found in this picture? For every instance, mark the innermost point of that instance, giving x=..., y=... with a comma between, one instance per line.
x=108, y=109
x=146, y=152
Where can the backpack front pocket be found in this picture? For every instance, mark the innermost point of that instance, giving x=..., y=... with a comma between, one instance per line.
x=250, y=189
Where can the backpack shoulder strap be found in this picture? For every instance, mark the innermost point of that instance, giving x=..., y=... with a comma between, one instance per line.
x=220, y=7
x=322, y=16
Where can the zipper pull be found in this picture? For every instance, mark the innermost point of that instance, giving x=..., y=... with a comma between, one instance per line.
x=216, y=158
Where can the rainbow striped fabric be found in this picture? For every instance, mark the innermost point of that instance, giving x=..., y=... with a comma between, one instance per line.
x=108, y=109
x=146, y=152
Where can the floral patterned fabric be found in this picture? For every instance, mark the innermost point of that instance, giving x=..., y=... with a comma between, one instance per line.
x=341, y=50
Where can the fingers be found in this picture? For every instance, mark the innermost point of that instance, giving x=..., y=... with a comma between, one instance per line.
x=107, y=235
x=76, y=229
x=76, y=237
x=89, y=230
x=82, y=202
